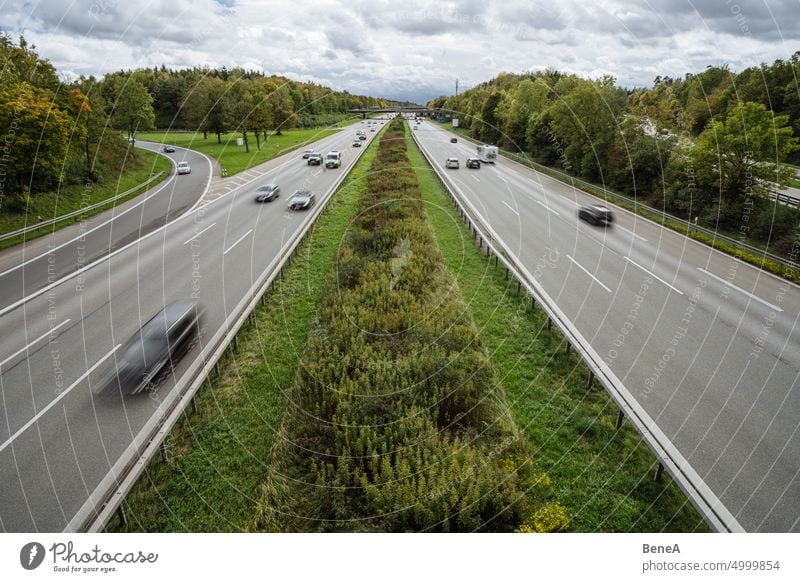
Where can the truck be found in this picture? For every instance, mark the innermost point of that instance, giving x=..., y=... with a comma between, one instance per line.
x=487, y=153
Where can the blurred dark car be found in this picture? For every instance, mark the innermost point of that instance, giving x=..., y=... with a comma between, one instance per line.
x=453, y=140
x=599, y=215
x=267, y=193
x=169, y=149
x=474, y=163
x=301, y=200
x=161, y=342
x=315, y=160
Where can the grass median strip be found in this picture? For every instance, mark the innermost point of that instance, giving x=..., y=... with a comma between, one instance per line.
x=396, y=420
x=219, y=456
x=603, y=476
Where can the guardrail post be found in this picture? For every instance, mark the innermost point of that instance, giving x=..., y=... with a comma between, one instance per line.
x=517, y=287
x=162, y=448
x=123, y=519
x=549, y=324
x=235, y=342
x=495, y=260
x=569, y=347
x=533, y=303
x=506, y=273
x=590, y=380
x=620, y=419
x=659, y=473
x=194, y=404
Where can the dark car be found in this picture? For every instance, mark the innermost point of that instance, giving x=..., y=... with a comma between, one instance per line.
x=474, y=163
x=169, y=149
x=315, y=160
x=267, y=193
x=599, y=215
x=362, y=137
x=301, y=200
x=308, y=153
x=453, y=140
x=161, y=342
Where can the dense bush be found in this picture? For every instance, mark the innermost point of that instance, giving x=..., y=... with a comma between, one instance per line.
x=396, y=421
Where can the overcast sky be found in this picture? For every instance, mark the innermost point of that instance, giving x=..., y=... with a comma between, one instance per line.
x=408, y=50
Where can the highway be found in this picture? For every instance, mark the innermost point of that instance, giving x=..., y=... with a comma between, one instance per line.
x=59, y=437
x=33, y=266
x=709, y=346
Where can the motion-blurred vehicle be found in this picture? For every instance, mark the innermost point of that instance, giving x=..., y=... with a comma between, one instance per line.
x=356, y=144
x=308, y=153
x=487, y=153
x=598, y=215
x=267, y=193
x=473, y=163
x=168, y=149
x=362, y=137
x=302, y=200
x=451, y=163
x=453, y=140
x=314, y=159
x=184, y=168
x=160, y=343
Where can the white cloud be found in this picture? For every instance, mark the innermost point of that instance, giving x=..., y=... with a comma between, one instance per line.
x=407, y=50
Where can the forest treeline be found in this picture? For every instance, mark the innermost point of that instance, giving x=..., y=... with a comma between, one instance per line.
x=54, y=132
x=709, y=146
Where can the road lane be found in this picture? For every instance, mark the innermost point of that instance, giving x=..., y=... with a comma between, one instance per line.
x=708, y=345
x=52, y=467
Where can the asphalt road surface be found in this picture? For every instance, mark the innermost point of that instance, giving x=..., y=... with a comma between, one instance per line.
x=58, y=437
x=709, y=346
x=44, y=260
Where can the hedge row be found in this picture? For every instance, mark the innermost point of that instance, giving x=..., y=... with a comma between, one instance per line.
x=396, y=420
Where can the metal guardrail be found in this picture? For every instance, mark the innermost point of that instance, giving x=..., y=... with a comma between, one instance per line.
x=690, y=482
x=604, y=193
x=108, y=496
x=57, y=219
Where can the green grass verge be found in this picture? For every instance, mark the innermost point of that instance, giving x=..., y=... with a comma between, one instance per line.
x=233, y=158
x=642, y=210
x=49, y=205
x=220, y=455
x=603, y=476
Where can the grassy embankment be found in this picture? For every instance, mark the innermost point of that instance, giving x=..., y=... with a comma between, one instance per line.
x=70, y=198
x=603, y=476
x=233, y=158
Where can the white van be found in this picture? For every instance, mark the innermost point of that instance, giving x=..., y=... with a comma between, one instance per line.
x=333, y=159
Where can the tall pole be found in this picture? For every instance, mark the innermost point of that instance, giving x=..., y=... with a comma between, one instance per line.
x=456, y=86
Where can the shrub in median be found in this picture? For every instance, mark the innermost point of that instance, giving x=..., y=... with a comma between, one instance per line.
x=396, y=421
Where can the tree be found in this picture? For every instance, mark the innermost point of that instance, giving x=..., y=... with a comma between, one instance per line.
x=491, y=123
x=261, y=116
x=240, y=109
x=36, y=136
x=528, y=98
x=283, y=116
x=133, y=108
x=742, y=156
